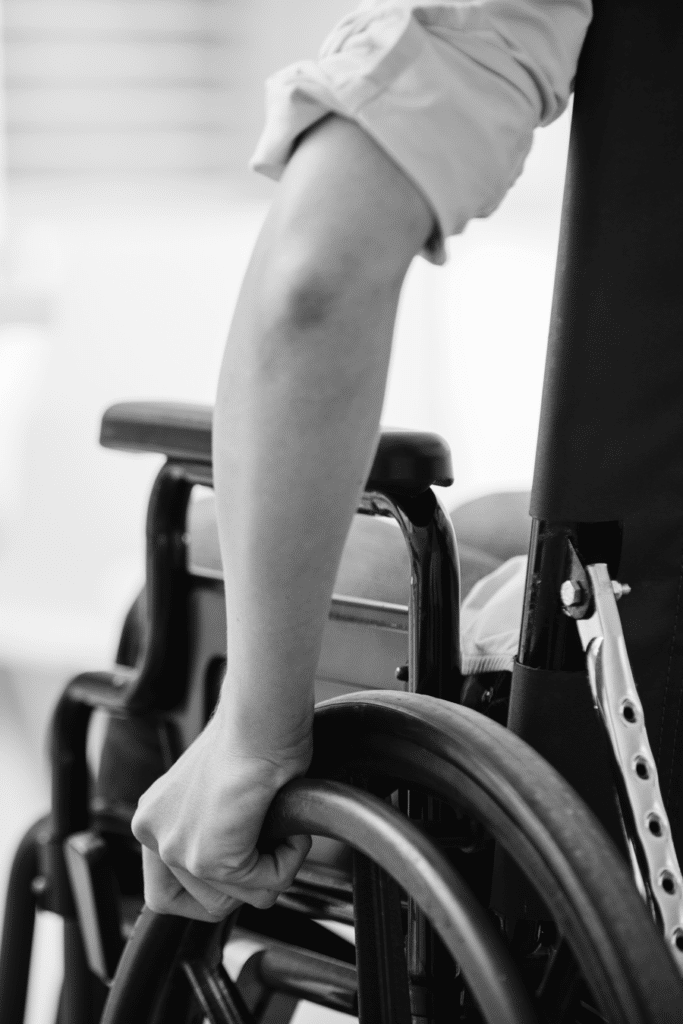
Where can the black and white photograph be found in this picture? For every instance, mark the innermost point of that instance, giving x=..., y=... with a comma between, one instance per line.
x=341, y=512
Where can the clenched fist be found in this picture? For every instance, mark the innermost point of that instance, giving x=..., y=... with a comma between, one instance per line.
x=200, y=822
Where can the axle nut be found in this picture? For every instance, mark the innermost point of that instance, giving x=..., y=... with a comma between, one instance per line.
x=571, y=593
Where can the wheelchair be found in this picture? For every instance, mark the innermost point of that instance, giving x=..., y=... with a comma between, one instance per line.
x=428, y=811
x=464, y=871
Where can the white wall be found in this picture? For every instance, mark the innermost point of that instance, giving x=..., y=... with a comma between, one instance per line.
x=470, y=344
x=135, y=88
x=138, y=281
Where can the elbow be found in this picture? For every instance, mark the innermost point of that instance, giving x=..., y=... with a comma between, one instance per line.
x=313, y=298
x=313, y=293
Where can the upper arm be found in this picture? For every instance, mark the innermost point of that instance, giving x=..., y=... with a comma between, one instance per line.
x=450, y=90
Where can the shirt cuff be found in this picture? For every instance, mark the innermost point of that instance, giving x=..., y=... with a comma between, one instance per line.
x=449, y=91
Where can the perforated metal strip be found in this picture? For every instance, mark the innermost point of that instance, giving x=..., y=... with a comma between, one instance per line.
x=654, y=859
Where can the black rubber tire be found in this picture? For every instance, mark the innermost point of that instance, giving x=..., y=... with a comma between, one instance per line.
x=387, y=839
x=389, y=738
x=481, y=768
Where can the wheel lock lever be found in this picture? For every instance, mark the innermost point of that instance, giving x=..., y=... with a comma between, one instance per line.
x=590, y=596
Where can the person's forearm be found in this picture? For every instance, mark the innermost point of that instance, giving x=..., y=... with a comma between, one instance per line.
x=296, y=433
x=297, y=414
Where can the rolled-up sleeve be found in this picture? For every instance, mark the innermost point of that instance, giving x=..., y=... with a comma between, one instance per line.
x=451, y=91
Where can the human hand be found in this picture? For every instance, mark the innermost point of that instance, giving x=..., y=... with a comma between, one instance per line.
x=199, y=824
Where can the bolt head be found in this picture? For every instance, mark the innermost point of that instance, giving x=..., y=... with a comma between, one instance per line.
x=571, y=593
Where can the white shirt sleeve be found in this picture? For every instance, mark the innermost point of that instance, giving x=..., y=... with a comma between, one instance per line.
x=451, y=91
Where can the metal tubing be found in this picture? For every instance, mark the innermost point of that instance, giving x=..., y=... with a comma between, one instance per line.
x=218, y=996
x=68, y=766
x=17, y=929
x=363, y=611
x=655, y=864
x=434, y=610
x=383, y=994
x=433, y=669
x=146, y=958
x=551, y=656
x=548, y=639
x=83, y=995
x=400, y=848
x=163, y=675
x=317, y=979
x=158, y=684
x=320, y=892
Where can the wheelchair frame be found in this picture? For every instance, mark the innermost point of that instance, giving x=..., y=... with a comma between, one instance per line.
x=581, y=496
x=63, y=863
x=399, y=486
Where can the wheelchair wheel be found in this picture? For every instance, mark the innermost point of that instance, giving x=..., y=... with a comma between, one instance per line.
x=428, y=947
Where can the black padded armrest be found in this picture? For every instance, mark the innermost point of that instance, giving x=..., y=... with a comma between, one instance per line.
x=406, y=461
x=410, y=461
x=175, y=429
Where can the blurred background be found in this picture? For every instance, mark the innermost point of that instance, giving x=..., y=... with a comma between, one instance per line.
x=127, y=216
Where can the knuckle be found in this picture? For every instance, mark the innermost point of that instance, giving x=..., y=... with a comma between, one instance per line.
x=139, y=827
x=202, y=864
x=196, y=864
x=164, y=850
x=168, y=853
x=220, y=906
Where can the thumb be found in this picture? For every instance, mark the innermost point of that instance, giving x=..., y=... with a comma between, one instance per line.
x=164, y=894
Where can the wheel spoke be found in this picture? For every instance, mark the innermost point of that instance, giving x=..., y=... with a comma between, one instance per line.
x=383, y=994
x=559, y=987
x=217, y=994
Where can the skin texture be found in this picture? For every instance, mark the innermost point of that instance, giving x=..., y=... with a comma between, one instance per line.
x=295, y=426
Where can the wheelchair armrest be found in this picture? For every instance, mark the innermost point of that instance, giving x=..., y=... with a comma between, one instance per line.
x=406, y=461
x=177, y=430
x=409, y=462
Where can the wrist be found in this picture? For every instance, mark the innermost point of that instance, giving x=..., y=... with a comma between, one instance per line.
x=263, y=734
